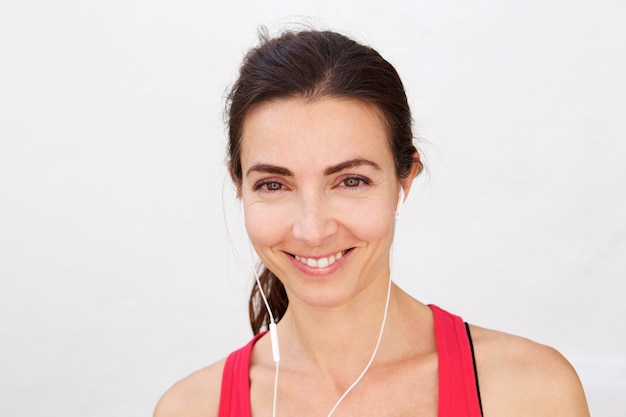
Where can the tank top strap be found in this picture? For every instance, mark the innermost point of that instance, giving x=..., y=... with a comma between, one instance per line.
x=458, y=392
x=235, y=391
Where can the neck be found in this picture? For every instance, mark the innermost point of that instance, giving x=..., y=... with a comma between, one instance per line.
x=338, y=340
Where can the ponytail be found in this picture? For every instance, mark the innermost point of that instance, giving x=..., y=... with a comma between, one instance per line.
x=276, y=297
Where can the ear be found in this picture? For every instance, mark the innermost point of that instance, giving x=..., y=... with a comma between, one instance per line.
x=235, y=180
x=416, y=168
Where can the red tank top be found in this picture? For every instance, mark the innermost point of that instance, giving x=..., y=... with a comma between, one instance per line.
x=458, y=389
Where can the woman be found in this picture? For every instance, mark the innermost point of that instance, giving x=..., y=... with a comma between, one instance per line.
x=321, y=152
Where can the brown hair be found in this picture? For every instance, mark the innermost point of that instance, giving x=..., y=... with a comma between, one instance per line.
x=313, y=64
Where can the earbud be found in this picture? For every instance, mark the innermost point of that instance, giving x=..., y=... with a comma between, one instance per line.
x=400, y=201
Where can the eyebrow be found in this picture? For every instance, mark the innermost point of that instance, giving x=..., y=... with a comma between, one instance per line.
x=269, y=169
x=277, y=170
x=352, y=163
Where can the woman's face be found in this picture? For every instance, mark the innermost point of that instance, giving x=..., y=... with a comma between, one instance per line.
x=319, y=191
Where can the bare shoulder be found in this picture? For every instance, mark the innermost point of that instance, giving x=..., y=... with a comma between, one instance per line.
x=195, y=395
x=519, y=377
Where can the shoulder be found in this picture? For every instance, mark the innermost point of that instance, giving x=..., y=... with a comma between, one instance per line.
x=195, y=395
x=520, y=377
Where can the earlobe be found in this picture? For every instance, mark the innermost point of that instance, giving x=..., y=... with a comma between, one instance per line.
x=235, y=180
x=416, y=168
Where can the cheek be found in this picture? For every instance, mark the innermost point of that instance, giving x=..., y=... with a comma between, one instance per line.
x=371, y=225
x=265, y=226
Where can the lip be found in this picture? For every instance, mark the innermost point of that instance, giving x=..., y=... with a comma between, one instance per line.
x=307, y=269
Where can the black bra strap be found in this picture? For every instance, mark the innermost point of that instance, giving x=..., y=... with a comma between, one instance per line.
x=469, y=336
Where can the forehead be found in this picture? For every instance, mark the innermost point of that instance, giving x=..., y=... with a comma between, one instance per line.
x=314, y=133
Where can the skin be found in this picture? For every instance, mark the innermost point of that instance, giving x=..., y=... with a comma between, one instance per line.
x=319, y=179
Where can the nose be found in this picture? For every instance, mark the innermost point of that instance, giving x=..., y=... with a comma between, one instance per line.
x=313, y=220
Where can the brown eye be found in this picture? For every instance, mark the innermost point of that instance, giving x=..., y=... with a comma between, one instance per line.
x=352, y=182
x=274, y=186
x=269, y=186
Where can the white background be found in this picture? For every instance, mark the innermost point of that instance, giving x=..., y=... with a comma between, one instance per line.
x=117, y=273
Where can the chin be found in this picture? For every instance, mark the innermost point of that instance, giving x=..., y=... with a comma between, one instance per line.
x=327, y=297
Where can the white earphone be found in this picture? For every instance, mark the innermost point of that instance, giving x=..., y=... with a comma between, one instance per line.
x=400, y=202
x=273, y=331
x=272, y=326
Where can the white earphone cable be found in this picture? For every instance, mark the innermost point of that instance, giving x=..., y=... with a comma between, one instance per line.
x=272, y=330
x=367, y=367
x=258, y=282
x=382, y=326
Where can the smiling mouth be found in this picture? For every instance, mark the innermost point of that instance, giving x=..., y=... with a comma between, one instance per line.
x=321, y=262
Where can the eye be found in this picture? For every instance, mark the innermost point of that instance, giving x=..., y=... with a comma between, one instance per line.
x=273, y=186
x=354, y=181
x=268, y=186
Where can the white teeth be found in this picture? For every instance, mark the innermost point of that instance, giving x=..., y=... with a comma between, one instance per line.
x=320, y=262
